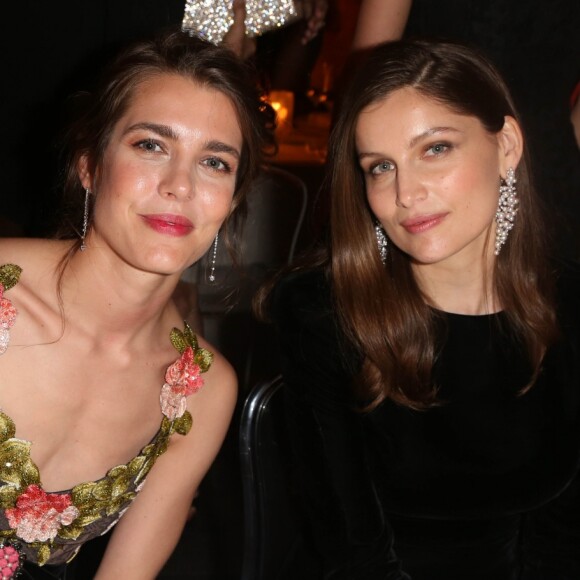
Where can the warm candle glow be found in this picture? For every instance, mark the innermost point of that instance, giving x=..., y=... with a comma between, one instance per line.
x=281, y=111
x=283, y=103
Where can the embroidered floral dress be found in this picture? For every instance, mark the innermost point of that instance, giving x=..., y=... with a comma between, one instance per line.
x=49, y=528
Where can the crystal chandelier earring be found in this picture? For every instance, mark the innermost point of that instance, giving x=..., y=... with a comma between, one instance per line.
x=212, y=263
x=506, y=209
x=382, y=242
x=85, y=219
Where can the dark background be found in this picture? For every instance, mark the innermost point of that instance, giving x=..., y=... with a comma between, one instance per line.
x=50, y=49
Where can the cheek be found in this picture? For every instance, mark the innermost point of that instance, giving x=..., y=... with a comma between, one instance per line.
x=381, y=203
x=217, y=200
x=474, y=188
x=121, y=180
x=486, y=194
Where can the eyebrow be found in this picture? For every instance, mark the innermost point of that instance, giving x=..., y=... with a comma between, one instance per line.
x=161, y=130
x=167, y=132
x=428, y=133
x=221, y=147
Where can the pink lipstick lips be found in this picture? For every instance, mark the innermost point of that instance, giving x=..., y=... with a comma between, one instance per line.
x=169, y=224
x=420, y=224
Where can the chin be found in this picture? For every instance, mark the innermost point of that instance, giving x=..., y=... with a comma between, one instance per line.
x=167, y=263
x=425, y=261
x=426, y=255
x=427, y=258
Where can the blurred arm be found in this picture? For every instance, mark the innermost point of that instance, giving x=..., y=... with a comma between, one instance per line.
x=380, y=21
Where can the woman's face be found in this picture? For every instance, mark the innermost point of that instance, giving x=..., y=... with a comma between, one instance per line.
x=168, y=175
x=432, y=176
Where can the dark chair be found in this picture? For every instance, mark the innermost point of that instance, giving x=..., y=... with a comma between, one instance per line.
x=277, y=205
x=275, y=542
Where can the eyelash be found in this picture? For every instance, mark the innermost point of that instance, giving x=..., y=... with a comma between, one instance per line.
x=226, y=168
x=446, y=147
x=373, y=168
x=144, y=143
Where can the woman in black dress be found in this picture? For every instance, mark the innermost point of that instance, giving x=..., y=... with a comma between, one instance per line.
x=431, y=357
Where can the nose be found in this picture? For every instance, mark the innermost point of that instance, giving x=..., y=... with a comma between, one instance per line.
x=177, y=181
x=410, y=187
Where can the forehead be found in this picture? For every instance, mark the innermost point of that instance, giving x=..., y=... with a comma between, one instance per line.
x=405, y=98
x=407, y=111
x=175, y=99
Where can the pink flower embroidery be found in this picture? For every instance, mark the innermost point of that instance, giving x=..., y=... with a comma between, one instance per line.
x=10, y=560
x=7, y=319
x=185, y=374
x=183, y=378
x=38, y=516
x=7, y=311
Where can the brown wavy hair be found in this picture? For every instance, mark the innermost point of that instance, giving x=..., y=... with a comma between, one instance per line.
x=381, y=306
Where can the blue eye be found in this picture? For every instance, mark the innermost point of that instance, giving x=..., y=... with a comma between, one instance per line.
x=382, y=167
x=438, y=148
x=217, y=164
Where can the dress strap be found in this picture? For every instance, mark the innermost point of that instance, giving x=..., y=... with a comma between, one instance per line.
x=9, y=276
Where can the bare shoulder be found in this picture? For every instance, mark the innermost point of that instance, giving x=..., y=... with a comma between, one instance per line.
x=36, y=256
x=211, y=409
x=220, y=381
x=35, y=296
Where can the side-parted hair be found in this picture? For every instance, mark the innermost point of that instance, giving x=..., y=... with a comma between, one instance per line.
x=96, y=113
x=382, y=308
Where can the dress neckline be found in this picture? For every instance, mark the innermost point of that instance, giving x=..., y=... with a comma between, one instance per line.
x=182, y=378
x=461, y=316
x=51, y=526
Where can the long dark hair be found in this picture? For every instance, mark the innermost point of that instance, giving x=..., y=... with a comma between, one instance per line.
x=382, y=308
x=96, y=113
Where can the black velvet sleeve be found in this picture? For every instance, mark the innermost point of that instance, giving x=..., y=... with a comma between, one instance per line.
x=352, y=536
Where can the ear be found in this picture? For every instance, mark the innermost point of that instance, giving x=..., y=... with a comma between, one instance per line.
x=84, y=174
x=511, y=145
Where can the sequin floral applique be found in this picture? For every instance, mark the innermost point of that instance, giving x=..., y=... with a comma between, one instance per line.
x=11, y=560
x=51, y=527
x=9, y=275
x=183, y=377
x=38, y=516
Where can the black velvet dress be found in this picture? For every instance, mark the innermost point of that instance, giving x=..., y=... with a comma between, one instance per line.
x=483, y=487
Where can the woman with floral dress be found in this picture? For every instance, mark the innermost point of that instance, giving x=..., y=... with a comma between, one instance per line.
x=99, y=379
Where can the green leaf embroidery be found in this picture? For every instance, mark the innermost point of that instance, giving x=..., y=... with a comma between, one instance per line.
x=183, y=424
x=9, y=275
x=182, y=339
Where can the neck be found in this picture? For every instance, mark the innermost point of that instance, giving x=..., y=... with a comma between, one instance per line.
x=459, y=288
x=114, y=301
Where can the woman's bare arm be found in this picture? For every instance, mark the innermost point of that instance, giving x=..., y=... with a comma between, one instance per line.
x=147, y=534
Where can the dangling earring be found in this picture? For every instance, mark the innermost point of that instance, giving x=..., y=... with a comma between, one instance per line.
x=506, y=209
x=85, y=219
x=382, y=242
x=211, y=276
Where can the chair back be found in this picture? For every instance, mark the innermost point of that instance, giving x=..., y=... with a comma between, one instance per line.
x=272, y=517
x=276, y=209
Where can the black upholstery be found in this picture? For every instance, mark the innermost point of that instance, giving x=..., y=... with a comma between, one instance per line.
x=275, y=539
x=276, y=208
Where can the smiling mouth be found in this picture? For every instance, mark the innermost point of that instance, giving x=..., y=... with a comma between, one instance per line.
x=172, y=225
x=423, y=223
